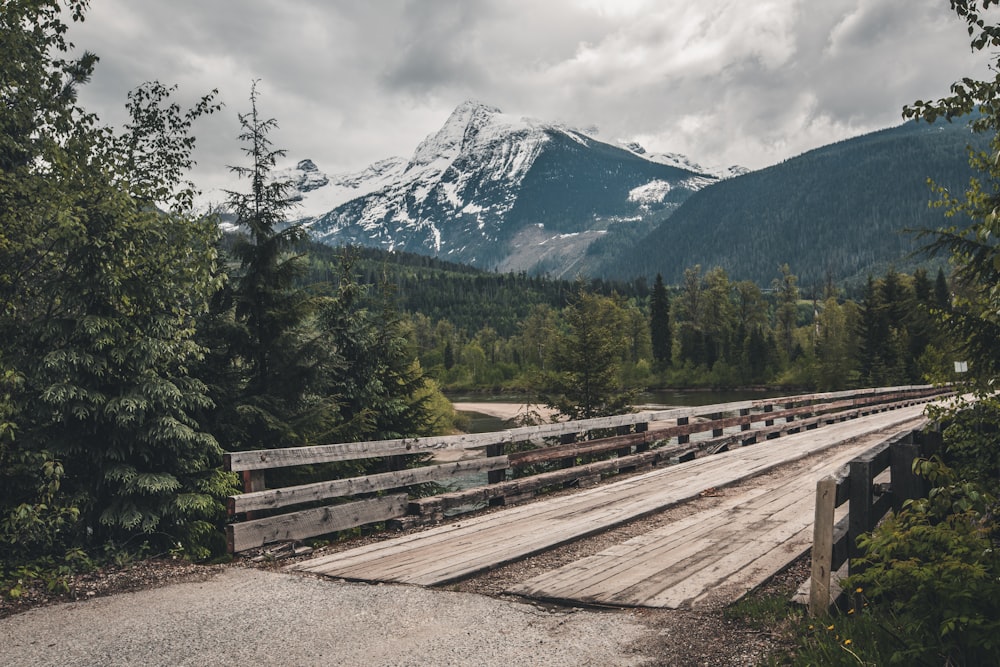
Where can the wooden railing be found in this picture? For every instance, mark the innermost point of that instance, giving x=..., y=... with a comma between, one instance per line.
x=869, y=498
x=641, y=440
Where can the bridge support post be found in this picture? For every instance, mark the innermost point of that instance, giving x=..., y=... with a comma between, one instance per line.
x=685, y=438
x=642, y=427
x=769, y=408
x=253, y=480
x=495, y=476
x=905, y=485
x=861, y=516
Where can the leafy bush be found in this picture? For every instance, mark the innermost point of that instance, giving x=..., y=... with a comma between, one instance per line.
x=933, y=575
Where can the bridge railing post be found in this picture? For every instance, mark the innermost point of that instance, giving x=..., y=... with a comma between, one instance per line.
x=822, y=550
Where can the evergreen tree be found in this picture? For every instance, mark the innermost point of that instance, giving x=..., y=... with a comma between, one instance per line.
x=786, y=317
x=584, y=381
x=659, y=323
x=99, y=291
x=273, y=362
x=378, y=383
x=942, y=295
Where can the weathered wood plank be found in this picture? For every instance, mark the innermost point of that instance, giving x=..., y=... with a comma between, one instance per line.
x=454, y=551
x=312, y=522
x=295, y=495
x=723, y=551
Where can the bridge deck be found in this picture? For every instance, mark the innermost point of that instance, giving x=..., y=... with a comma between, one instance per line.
x=713, y=556
x=457, y=550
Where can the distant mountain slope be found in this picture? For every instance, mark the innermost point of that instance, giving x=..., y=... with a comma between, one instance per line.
x=837, y=212
x=496, y=191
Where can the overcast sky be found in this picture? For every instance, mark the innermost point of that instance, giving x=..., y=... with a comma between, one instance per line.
x=749, y=82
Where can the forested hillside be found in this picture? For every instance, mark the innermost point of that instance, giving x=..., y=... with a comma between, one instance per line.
x=466, y=296
x=834, y=214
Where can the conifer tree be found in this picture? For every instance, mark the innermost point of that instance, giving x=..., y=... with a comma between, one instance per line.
x=659, y=323
x=584, y=381
x=99, y=291
x=273, y=362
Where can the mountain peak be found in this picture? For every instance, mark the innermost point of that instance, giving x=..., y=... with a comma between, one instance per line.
x=471, y=123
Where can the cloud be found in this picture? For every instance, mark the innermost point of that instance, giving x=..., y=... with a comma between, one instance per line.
x=725, y=81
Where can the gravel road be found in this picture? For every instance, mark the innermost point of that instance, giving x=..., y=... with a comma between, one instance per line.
x=253, y=617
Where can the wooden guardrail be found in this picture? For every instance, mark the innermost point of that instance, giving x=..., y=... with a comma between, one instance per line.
x=835, y=543
x=264, y=515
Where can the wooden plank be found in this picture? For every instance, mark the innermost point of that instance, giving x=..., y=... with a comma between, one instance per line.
x=313, y=522
x=723, y=551
x=822, y=549
x=305, y=493
x=454, y=551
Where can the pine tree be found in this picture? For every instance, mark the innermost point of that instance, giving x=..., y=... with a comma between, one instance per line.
x=273, y=360
x=659, y=323
x=584, y=381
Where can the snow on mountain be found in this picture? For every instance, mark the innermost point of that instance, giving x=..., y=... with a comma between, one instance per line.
x=684, y=162
x=472, y=190
x=317, y=193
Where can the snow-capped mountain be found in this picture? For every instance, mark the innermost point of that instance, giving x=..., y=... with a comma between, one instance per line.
x=496, y=191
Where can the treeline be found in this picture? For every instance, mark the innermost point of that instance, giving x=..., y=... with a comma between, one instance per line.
x=497, y=332
x=465, y=296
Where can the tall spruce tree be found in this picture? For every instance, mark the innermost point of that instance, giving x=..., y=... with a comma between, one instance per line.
x=659, y=323
x=273, y=361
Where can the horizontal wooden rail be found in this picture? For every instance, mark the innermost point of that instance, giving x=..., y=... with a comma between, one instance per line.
x=575, y=449
x=308, y=493
x=263, y=459
x=312, y=522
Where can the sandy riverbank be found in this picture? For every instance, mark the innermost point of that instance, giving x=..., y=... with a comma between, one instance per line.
x=504, y=410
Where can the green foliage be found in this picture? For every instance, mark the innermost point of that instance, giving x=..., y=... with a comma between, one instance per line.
x=932, y=574
x=659, y=322
x=99, y=291
x=585, y=359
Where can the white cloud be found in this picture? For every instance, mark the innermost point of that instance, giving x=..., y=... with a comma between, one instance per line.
x=725, y=81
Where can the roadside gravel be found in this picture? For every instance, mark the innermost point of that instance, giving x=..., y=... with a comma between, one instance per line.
x=250, y=616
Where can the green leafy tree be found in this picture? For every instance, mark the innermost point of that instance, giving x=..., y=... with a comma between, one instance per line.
x=973, y=317
x=835, y=356
x=103, y=272
x=584, y=379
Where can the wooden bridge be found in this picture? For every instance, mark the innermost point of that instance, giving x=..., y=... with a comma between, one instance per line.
x=712, y=556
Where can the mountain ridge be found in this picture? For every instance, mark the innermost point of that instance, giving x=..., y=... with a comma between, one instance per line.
x=495, y=191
